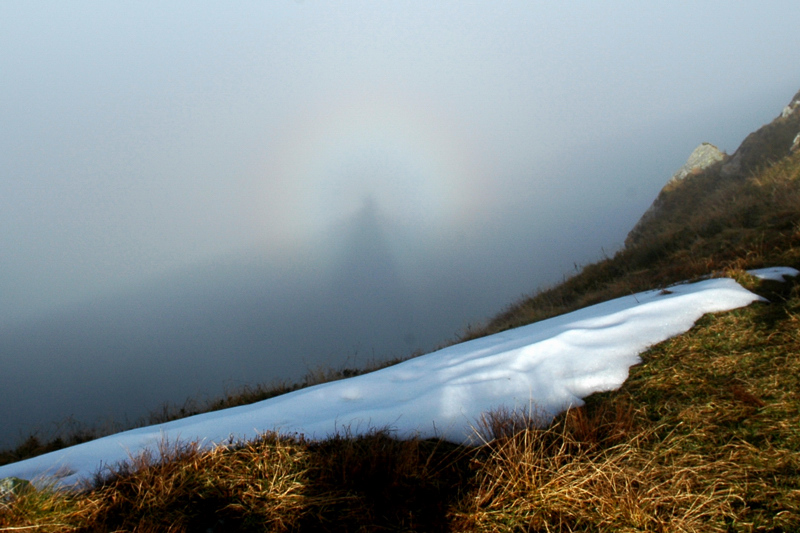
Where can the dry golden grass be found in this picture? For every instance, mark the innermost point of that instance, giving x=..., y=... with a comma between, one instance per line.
x=549, y=480
x=182, y=489
x=732, y=386
x=713, y=443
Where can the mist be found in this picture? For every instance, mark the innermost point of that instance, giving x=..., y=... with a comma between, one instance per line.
x=198, y=198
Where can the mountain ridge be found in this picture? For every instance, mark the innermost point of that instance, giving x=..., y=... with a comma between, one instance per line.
x=768, y=144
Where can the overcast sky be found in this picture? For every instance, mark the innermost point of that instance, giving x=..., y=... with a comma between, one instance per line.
x=143, y=138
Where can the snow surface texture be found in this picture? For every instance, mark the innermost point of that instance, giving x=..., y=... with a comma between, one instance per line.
x=774, y=273
x=548, y=367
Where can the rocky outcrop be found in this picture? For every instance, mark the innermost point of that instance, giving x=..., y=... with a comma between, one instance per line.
x=766, y=145
x=792, y=107
x=763, y=147
x=789, y=110
x=703, y=157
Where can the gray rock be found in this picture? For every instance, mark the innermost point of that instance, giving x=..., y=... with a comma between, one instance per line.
x=793, y=105
x=796, y=143
x=703, y=157
x=11, y=487
x=700, y=159
x=789, y=109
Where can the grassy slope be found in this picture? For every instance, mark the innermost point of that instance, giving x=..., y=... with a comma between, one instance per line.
x=704, y=436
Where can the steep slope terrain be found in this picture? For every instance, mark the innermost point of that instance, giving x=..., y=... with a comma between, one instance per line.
x=734, y=212
x=709, y=170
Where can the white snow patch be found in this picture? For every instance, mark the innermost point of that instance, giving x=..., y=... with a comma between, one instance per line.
x=774, y=273
x=550, y=365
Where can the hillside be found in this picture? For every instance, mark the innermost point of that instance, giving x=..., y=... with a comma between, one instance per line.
x=701, y=437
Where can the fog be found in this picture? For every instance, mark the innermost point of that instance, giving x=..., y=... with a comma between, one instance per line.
x=197, y=197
